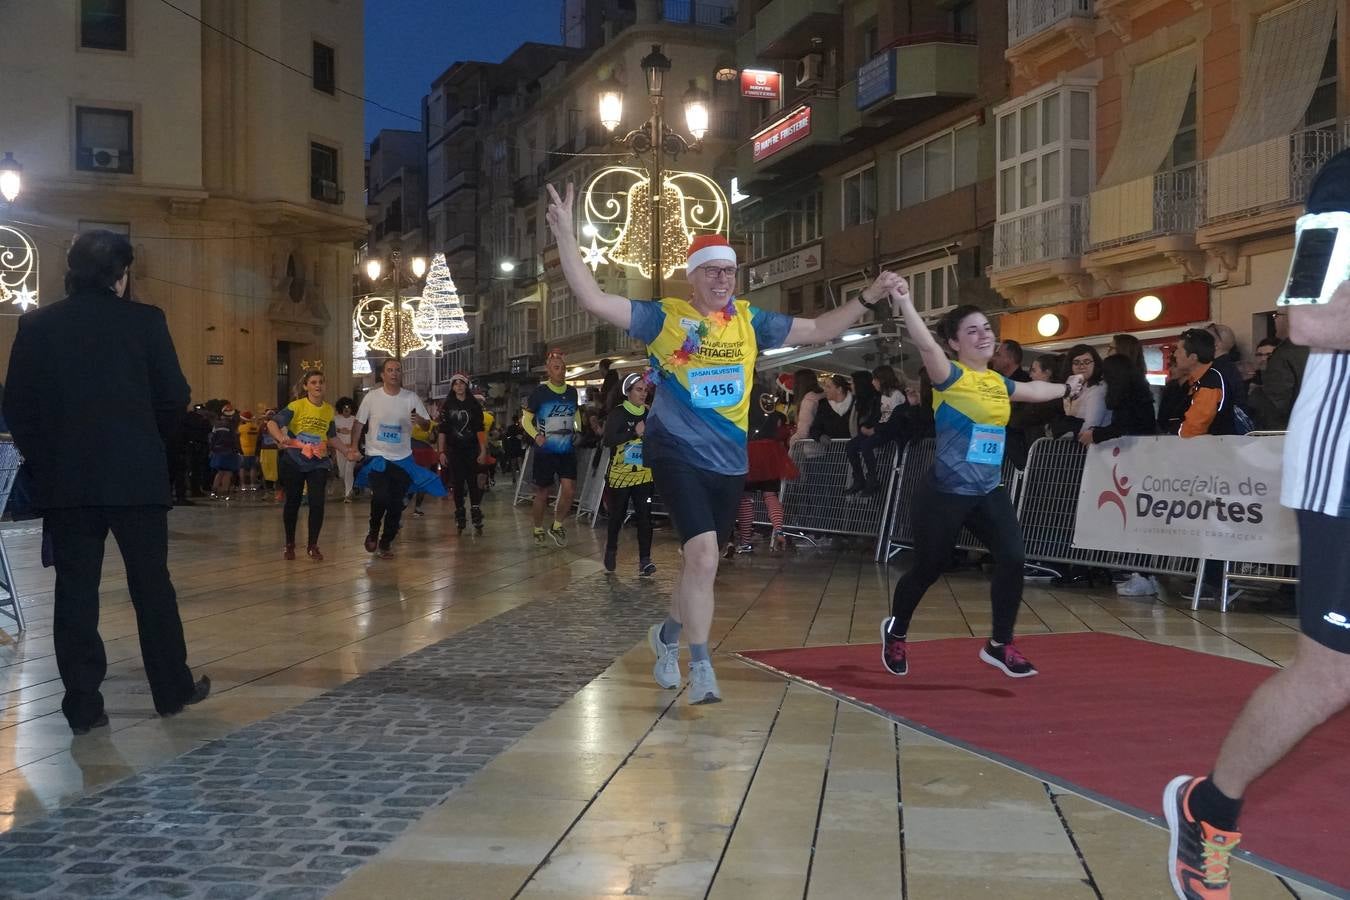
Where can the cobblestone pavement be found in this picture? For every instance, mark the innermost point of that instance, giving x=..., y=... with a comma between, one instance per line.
x=287, y=807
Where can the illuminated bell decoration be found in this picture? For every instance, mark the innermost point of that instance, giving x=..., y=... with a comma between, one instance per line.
x=617, y=214
x=384, y=338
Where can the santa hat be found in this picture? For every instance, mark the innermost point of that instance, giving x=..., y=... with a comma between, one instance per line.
x=708, y=248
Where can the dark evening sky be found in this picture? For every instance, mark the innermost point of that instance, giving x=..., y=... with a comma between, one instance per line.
x=410, y=42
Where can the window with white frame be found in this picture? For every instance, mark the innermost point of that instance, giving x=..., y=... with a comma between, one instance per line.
x=859, y=195
x=1044, y=150
x=932, y=284
x=938, y=165
x=794, y=226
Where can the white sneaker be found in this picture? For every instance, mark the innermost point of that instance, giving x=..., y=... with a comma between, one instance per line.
x=1138, y=586
x=703, y=683
x=667, y=668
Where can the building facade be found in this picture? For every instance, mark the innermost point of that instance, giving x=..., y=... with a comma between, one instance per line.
x=1160, y=150
x=238, y=181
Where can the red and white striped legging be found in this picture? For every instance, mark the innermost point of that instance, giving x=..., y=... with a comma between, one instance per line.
x=745, y=515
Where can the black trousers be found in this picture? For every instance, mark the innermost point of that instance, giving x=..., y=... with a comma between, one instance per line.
x=293, y=482
x=464, y=476
x=938, y=518
x=641, y=496
x=142, y=532
x=388, y=489
x=177, y=460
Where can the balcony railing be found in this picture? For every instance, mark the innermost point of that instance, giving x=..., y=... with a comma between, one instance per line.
x=1268, y=175
x=1028, y=18
x=1056, y=232
x=467, y=115
x=1153, y=206
x=694, y=12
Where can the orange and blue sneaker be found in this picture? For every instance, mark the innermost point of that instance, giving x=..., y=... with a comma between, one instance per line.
x=1198, y=854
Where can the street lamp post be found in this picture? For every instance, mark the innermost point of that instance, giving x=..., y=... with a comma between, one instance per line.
x=11, y=180
x=656, y=139
x=418, y=266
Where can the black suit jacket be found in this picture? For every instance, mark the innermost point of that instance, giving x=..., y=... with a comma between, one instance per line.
x=94, y=389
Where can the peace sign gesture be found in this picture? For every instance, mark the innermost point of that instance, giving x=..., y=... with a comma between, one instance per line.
x=559, y=214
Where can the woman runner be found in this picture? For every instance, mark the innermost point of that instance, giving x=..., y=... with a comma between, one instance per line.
x=463, y=446
x=971, y=411
x=628, y=478
x=704, y=349
x=309, y=431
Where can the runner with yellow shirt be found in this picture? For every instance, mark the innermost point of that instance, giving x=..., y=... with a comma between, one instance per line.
x=971, y=409
x=703, y=353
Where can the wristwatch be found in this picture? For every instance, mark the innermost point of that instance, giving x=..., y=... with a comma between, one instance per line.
x=862, y=298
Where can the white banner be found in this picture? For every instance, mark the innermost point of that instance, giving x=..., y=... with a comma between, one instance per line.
x=1209, y=497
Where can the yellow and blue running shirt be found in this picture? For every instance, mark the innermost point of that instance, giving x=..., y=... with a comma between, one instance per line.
x=970, y=413
x=686, y=420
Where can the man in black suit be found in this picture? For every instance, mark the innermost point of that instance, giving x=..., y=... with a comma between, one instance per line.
x=71, y=364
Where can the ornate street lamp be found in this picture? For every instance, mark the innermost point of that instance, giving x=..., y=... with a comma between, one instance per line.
x=11, y=180
x=653, y=140
x=396, y=333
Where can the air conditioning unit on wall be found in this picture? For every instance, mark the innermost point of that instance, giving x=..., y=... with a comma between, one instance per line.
x=105, y=158
x=810, y=70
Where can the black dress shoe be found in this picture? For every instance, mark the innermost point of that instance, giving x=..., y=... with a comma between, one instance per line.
x=84, y=729
x=200, y=691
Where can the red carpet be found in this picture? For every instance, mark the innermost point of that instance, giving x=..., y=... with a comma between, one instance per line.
x=1110, y=717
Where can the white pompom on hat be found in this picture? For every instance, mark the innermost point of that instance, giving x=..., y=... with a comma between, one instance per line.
x=708, y=248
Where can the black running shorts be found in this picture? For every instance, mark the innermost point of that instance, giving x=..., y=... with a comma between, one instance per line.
x=551, y=466
x=1324, y=579
x=698, y=500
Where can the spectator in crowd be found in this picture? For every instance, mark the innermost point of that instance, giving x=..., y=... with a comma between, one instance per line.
x=1226, y=359
x=1128, y=346
x=1272, y=403
x=1260, y=358
x=176, y=455
x=1030, y=421
x=807, y=393
x=769, y=466
x=1007, y=361
x=513, y=446
x=1086, y=409
x=1129, y=401
x=833, y=416
x=866, y=400
x=610, y=394
x=196, y=431
x=1209, y=404
x=875, y=433
x=71, y=363
x=920, y=399
x=269, y=461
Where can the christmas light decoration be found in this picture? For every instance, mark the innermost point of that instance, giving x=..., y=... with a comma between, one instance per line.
x=384, y=338
x=360, y=365
x=617, y=211
x=18, y=269
x=440, y=311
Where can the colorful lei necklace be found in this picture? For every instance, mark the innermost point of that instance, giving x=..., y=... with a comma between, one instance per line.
x=696, y=333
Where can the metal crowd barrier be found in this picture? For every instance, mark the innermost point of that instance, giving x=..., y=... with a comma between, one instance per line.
x=588, y=498
x=1049, y=505
x=10, y=460
x=815, y=503
x=897, y=531
x=525, y=483
x=1254, y=573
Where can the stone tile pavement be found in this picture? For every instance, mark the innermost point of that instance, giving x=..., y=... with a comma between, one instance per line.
x=284, y=809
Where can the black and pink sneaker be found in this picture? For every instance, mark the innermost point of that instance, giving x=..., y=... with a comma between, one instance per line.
x=1009, y=659
x=894, y=656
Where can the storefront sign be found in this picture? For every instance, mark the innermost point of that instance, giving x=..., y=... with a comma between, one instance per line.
x=1178, y=306
x=876, y=80
x=760, y=84
x=521, y=365
x=783, y=133
x=798, y=262
x=1205, y=497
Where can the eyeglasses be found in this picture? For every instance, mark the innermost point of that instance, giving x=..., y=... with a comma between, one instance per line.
x=713, y=273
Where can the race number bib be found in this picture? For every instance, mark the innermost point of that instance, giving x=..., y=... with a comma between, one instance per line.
x=389, y=433
x=632, y=454
x=717, y=386
x=986, y=445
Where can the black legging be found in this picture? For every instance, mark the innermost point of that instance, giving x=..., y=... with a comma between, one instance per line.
x=293, y=482
x=387, y=492
x=938, y=518
x=641, y=495
x=464, y=475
